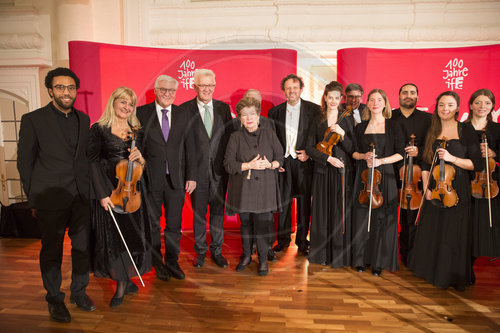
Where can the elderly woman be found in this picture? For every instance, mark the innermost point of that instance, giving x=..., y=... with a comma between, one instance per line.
x=109, y=143
x=253, y=156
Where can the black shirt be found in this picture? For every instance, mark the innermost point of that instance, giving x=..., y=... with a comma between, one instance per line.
x=69, y=125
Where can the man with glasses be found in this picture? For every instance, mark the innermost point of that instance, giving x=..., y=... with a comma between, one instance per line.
x=169, y=150
x=353, y=96
x=54, y=170
x=211, y=127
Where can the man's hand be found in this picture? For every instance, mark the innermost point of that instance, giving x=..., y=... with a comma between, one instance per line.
x=301, y=155
x=190, y=186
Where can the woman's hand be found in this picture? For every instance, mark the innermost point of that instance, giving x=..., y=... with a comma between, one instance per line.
x=412, y=151
x=135, y=155
x=268, y=165
x=105, y=202
x=428, y=194
x=337, y=129
x=491, y=153
x=258, y=163
x=444, y=155
x=378, y=162
x=335, y=162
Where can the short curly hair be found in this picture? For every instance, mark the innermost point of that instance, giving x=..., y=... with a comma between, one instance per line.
x=61, y=71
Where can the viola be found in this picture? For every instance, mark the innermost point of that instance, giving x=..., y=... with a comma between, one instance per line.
x=443, y=194
x=410, y=174
x=370, y=195
x=126, y=196
x=331, y=138
x=484, y=179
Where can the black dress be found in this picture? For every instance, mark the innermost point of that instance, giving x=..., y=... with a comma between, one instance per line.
x=379, y=247
x=110, y=258
x=330, y=239
x=442, y=250
x=486, y=240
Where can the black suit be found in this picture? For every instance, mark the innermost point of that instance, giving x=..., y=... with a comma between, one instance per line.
x=296, y=181
x=55, y=177
x=211, y=176
x=167, y=189
x=361, y=107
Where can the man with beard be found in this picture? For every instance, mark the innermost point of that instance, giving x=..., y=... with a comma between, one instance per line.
x=353, y=95
x=54, y=170
x=416, y=122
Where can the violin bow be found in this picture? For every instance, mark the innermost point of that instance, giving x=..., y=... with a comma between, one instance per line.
x=488, y=177
x=125, y=243
x=343, y=195
x=371, y=187
x=403, y=181
x=434, y=159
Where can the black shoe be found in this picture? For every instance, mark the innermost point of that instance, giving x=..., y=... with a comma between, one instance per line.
x=376, y=271
x=304, y=251
x=280, y=247
x=161, y=273
x=271, y=256
x=263, y=270
x=360, y=269
x=175, y=271
x=219, y=260
x=84, y=302
x=199, y=260
x=131, y=288
x=244, y=261
x=115, y=301
x=59, y=312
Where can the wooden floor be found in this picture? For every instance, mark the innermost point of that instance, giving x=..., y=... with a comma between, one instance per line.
x=294, y=297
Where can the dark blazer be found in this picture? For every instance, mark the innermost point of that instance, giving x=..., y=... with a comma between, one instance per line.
x=179, y=150
x=48, y=168
x=210, y=151
x=308, y=115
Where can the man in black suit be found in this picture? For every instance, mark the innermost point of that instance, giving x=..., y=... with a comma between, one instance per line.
x=171, y=171
x=54, y=170
x=353, y=95
x=211, y=129
x=292, y=120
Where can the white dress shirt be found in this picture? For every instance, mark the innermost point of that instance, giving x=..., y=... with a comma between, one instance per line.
x=201, y=108
x=292, y=128
x=159, y=113
x=357, y=116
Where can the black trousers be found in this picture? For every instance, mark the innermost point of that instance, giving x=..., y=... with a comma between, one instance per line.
x=407, y=233
x=173, y=201
x=255, y=225
x=53, y=224
x=212, y=194
x=296, y=182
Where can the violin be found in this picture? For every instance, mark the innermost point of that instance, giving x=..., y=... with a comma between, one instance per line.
x=443, y=194
x=370, y=195
x=410, y=176
x=484, y=179
x=331, y=138
x=126, y=196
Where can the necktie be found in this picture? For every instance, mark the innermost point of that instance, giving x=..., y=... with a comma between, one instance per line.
x=207, y=120
x=165, y=128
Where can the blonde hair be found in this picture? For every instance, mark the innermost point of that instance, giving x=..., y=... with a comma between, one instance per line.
x=108, y=116
x=387, y=112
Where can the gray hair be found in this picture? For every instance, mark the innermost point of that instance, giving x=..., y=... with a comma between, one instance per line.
x=166, y=78
x=203, y=72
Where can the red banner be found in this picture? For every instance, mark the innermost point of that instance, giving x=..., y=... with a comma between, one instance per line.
x=461, y=69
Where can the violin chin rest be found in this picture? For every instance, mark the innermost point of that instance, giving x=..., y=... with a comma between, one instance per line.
x=119, y=210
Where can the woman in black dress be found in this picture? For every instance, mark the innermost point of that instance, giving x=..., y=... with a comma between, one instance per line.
x=485, y=239
x=109, y=143
x=330, y=235
x=253, y=156
x=442, y=250
x=379, y=246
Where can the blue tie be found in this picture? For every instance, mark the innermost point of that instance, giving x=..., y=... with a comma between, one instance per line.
x=165, y=128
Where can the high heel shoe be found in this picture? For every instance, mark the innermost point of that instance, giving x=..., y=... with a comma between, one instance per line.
x=121, y=288
x=244, y=261
x=131, y=288
x=115, y=301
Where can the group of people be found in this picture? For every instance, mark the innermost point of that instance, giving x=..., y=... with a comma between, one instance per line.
x=253, y=166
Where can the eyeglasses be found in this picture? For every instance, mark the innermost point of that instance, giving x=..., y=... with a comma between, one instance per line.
x=163, y=91
x=205, y=86
x=62, y=88
x=354, y=96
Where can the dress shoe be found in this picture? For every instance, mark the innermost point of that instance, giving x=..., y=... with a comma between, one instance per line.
x=280, y=247
x=303, y=251
x=271, y=256
x=161, y=273
x=115, y=301
x=59, y=312
x=376, y=271
x=263, y=269
x=199, y=260
x=219, y=260
x=360, y=269
x=175, y=271
x=131, y=288
x=84, y=302
x=244, y=261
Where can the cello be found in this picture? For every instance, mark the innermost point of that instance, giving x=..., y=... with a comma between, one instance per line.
x=410, y=175
x=126, y=197
x=443, y=194
x=330, y=138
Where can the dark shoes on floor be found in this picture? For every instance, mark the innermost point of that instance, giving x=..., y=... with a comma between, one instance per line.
x=280, y=247
x=84, y=302
x=199, y=260
x=219, y=260
x=175, y=271
x=161, y=272
x=360, y=269
x=59, y=312
x=115, y=301
x=376, y=271
x=131, y=288
x=263, y=269
x=244, y=261
x=271, y=256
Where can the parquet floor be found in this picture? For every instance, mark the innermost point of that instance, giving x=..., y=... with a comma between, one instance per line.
x=294, y=297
